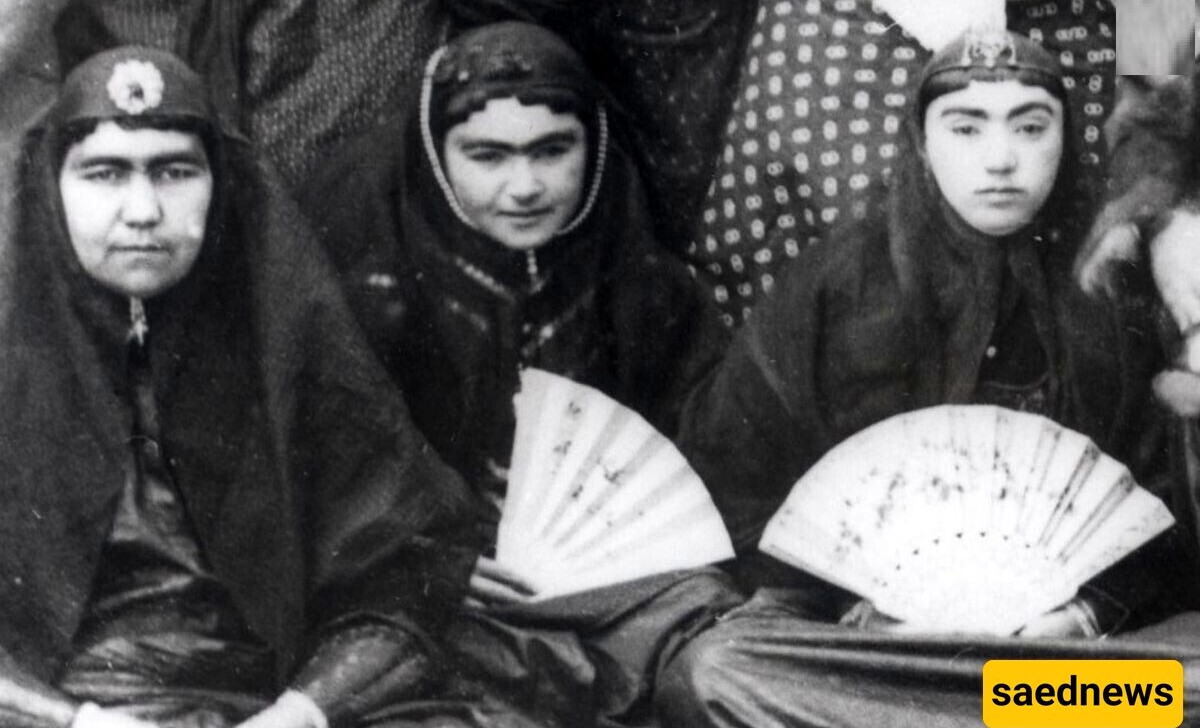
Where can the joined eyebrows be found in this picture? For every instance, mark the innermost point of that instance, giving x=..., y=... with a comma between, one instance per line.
x=566, y=136
x=195, y=158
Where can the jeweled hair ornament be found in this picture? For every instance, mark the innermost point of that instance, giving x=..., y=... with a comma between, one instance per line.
x=132, y=81
x=990, y=49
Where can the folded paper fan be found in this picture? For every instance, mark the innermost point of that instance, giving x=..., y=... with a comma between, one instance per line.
x=596, y=496
x=964, y=518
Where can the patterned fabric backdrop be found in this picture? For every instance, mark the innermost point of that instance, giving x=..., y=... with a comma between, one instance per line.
x=320, y=71
x=672, y=63
x=824, y=86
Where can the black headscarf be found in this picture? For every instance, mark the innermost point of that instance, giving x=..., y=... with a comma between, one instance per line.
x=454, y=313
x=510, y=60
x=932, y=246
x=308, y=487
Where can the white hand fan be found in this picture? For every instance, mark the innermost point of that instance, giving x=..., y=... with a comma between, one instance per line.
x=596, y=496
x=964, y=518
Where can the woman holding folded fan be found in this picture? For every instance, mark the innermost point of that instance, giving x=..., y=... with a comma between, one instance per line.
x=959, y=290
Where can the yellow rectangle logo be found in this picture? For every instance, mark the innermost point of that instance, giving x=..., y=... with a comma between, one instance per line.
x=1083, y=693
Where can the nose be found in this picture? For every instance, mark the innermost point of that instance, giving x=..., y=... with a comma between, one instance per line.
x=1001, y=155
x=525, y=185
x=141, y=207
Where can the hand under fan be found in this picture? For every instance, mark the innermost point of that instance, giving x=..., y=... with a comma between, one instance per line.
x=964, y=518
x=596, y=496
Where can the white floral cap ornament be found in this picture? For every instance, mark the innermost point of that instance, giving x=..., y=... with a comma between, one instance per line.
x=135, y=86
x=133, y=81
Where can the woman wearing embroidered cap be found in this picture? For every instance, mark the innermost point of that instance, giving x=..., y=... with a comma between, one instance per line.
x=958, y=290
x=500, y=225
x=216, y=508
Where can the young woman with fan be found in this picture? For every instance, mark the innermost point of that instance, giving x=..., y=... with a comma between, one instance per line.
x=207, y=478
x=499, y=225
x=958, y=291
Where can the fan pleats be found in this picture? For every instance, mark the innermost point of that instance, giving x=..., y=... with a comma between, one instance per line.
x=596, y=496
x=964, y=518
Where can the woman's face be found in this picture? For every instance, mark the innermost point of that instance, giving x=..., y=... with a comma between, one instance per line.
x=994, y=149
x=517, y=171
x=136, y=203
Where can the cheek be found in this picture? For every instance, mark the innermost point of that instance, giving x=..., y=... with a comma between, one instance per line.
x=570, y=176
x=1045, y=162
x=474, y=186
x=951, y=165
x=89, y=217
x=189, y=211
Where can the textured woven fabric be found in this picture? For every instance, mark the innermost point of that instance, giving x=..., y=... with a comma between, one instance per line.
x=155, y=23
x=824, y=87
x=319, y=72
x=300, y=75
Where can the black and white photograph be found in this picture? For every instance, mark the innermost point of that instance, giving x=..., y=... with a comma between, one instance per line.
x=599, y=364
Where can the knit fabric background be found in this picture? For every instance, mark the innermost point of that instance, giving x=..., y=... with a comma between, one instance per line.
x=308, y=74
x=155, y=23
x=318, y=72
x=823, y=90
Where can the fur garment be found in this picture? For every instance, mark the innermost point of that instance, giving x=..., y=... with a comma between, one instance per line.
x=1145, y=239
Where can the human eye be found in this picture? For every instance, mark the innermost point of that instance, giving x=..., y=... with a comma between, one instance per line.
x=964, y=129
x=485, y=155
x=1033, y=128
x=102, y=173
x=178, y=172
x=553, y=150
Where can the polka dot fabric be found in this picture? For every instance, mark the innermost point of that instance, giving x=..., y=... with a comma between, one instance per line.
x=815, y=126
x=1083, y=32
x=672, y=63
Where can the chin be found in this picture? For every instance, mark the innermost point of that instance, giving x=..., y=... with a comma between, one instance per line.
x=523, y=242
x=141, y=289
x=1000, y=228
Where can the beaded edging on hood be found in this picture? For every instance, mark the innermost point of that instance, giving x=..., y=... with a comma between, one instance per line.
x=429, y=140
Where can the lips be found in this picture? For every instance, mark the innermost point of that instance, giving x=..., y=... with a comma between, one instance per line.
x=140, y=249
x=1000, y=192
x=526, y=220
x=527, y=214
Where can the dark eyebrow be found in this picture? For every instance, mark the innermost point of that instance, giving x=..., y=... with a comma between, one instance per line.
x=1031, y=106
x=122, y=162
x=554, y=137
x=163, y=160
x=970, y=111
x=976, y=113
x=160, y=160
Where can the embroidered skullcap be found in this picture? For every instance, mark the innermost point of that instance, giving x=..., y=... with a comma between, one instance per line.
x=502, y=60
x=989, y=54
x=132, y=81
